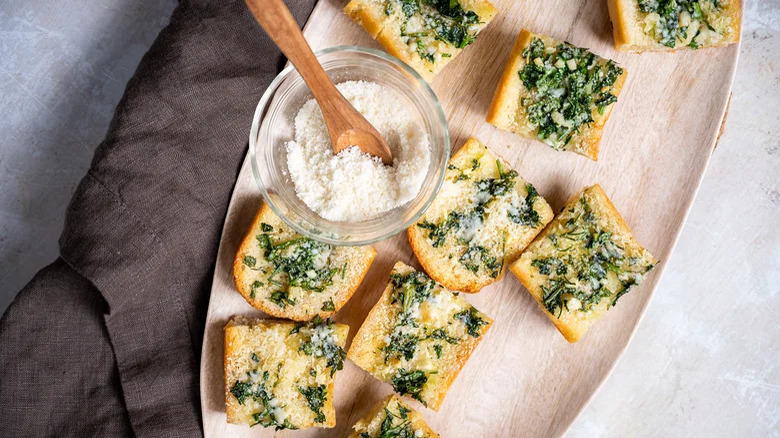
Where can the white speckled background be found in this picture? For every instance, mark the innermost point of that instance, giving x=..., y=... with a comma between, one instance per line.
x=705, y=361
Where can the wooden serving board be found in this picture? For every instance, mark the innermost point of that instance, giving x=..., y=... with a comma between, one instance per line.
x=524, y=379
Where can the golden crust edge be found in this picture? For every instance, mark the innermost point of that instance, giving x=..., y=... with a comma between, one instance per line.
x=504, y=103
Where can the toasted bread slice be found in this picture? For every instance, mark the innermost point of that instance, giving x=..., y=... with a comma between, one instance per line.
x=403, y=421
x=542, y=78
x=582, y=263
x=482, y=218
x=418, y=336
x=425, y=35
x=281, y=373
x=287, y=275
x=640, y=26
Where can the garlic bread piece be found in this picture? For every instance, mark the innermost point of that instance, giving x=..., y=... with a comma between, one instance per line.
x=391, y=417
x=418, y=336
x=482, y=218
x=280, y=374
x=557, y=93
x=665, y=25
x=582, y=263
x=287, y=275
x=425, y=34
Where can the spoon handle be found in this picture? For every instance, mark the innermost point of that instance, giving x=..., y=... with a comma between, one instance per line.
x=279, y=24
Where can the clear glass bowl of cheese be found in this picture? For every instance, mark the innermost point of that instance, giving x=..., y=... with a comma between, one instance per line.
x=273, y=127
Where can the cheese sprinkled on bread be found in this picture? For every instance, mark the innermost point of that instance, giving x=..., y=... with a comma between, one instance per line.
x=582, y=263
x=287, y=275
x=482, y=218
x=280, y=374
x=418, y=336
x=390, y=418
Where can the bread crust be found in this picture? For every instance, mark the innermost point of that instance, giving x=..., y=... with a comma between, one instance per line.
x=570, y=327
x=339, y=293
x=367, y=14
x=368, y=341
x=629, y=36
x=506, y=99
x=448, y=272
x=507, y=114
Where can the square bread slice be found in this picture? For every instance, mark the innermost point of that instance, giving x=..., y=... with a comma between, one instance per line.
x=653, y=25
x=281, y=373
x=557, y=93
x=287, y=275
x=392, y=417
x=582, y=263
x=482, y=218
x=418, y=336
x=426, y=34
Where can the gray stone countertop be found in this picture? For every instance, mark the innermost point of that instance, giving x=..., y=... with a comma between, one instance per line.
x=705, y=360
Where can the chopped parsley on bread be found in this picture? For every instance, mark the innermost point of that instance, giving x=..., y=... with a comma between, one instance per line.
x=280, y=374
x=557, y=93
x=582, y=263
x=664, y=25
x=287, y=275
x=418, y=336
x=392, y=418
x=425, y=34
x=482, y=218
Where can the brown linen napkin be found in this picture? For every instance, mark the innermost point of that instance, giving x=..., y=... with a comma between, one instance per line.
x=106, y=341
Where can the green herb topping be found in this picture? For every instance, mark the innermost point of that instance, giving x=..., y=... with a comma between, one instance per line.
x=281, y=299
x=328, y=306
x=396, y=426
x=401, y=345
x=255, y=389
x=426, y=21
x=588, y=259
x=565, y=84
x=253, y=290
x=315, y=397
x=300, y=262
x=678, y=22
x=320, y=341
x=472, y=320
x=410, y=383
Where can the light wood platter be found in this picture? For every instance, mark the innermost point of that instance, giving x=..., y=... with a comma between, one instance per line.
x=524, y=379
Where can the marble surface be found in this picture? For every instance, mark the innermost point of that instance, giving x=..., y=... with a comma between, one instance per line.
x=705, y=361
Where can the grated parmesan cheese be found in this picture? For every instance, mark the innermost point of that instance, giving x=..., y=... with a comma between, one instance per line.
x=353, y=186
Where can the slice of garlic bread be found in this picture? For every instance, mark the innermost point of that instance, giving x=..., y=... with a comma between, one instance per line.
x=582, y=263
x=418, y=336
x=287, y=275
x=280, y=374
x=426, y=34
x=391, y=417
x=665, y=25
x=482, y=218
x=557, y=93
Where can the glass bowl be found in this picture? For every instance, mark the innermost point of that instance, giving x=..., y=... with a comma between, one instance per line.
x=274, y=124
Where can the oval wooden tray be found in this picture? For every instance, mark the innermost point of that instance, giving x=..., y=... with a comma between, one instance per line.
x=524, y=379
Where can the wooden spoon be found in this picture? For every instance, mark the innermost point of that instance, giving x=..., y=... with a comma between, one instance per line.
x=346, y=126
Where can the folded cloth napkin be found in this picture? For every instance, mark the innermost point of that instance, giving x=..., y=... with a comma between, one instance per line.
x=106, y=340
